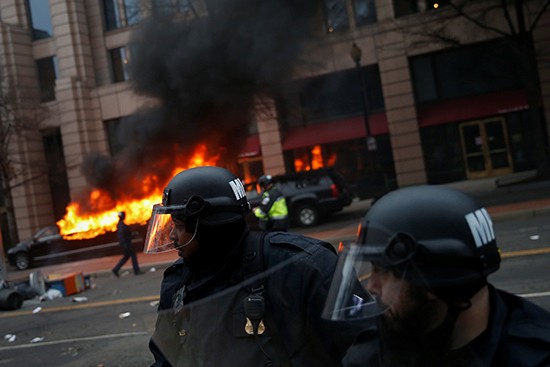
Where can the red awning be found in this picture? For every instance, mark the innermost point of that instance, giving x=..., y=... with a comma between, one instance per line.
x=334, y=131
x=472, y=108
x=251, y=147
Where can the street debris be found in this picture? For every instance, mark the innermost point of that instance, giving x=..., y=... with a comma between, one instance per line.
x=80, y=299
x=534, y=237
x=124, y=315
x=154, y=303
x=10, y=338
x=37, y=309
x=38, y=339
x=152, y=270
x=51, y=294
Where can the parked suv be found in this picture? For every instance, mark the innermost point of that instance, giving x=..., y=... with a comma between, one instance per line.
x=311, y=196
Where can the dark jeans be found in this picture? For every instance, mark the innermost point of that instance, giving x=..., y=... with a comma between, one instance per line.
x=128, y=253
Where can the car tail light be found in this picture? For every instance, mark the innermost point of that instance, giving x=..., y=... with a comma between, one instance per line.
x=334, y=190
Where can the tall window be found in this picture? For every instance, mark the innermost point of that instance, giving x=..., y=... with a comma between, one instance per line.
x=121, y=13
x=184, y=6
x=57, y=170
x=162, y=7
x=116, y=144
x=47, y=74
x=365, y=12
x=472, y=70
x=404, y=7
x=111, y=14
x=332, y=96
x=40, y=19
x=132, y=11
x=119, y=64
x=336, y=15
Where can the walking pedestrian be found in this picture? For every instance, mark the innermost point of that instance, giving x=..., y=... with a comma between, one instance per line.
x=423, y=255
x=124, y=234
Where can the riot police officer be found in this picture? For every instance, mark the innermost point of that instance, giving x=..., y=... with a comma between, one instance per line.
x=423, y=255
x=272, y=212
x=236, y=297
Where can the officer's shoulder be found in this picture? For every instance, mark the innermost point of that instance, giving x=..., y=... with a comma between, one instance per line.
x=526, y=319
x=298, y=242
x=176, y=267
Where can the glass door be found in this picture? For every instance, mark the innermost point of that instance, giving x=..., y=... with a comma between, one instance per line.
x=485, y=148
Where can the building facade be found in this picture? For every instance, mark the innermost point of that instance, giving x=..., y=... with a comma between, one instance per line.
x=403, y=110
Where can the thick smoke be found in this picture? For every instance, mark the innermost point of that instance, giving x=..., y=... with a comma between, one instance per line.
x=206, y=71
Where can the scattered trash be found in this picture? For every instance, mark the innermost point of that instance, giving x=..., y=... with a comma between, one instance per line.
x=154, y=303
x=10, y=337
x=50, y=294
x=124, y=315
x=152, y=270
x=37, y=310
x=80, y=299
x=534, y=237
x=38, y=339
x=101, y=365
x=124, y=273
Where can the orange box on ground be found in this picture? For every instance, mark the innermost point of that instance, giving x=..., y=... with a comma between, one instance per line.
x=67, y=284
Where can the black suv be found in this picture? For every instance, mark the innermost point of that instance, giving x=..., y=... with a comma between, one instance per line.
x=311, y=196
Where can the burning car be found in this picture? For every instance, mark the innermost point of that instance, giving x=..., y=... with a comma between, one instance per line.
x=48, y=247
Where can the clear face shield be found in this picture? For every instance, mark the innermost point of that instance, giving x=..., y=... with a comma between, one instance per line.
x=363, y=286
x=159, y=230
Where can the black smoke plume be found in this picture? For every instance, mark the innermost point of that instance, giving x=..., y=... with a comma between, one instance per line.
x=206, y=70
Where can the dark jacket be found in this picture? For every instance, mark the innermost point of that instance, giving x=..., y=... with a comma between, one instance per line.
x=211, y=329
x=518, y=335
x=124, y=233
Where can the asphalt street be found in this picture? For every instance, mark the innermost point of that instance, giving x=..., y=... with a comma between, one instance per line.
x=109, y=324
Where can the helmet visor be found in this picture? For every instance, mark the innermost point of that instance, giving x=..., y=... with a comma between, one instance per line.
x=349, y=297
x=159, y=230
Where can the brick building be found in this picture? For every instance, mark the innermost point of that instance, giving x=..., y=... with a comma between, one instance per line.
x=437, y=113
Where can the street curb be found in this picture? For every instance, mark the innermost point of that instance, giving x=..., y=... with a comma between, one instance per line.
x=520, y=214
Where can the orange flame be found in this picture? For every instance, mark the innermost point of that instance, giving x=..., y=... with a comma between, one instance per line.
x=77, y=225
x=313, y=160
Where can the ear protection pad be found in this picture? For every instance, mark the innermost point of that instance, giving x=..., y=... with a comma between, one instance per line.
x=400, y=250
x=195, y=204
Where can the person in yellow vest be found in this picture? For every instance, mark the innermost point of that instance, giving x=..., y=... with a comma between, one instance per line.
x=272, y=211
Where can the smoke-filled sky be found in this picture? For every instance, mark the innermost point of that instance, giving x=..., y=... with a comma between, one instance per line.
x=206, y=72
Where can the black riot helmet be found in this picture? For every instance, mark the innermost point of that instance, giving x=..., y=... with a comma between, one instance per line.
x=444, y=233
x=435, y=237
x=211, y=195
x=265, y=181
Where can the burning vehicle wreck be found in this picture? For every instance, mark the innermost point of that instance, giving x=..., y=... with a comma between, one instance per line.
x=49, y=247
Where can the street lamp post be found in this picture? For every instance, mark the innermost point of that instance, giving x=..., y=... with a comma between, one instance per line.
x=371, y=179
x=355, y=54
